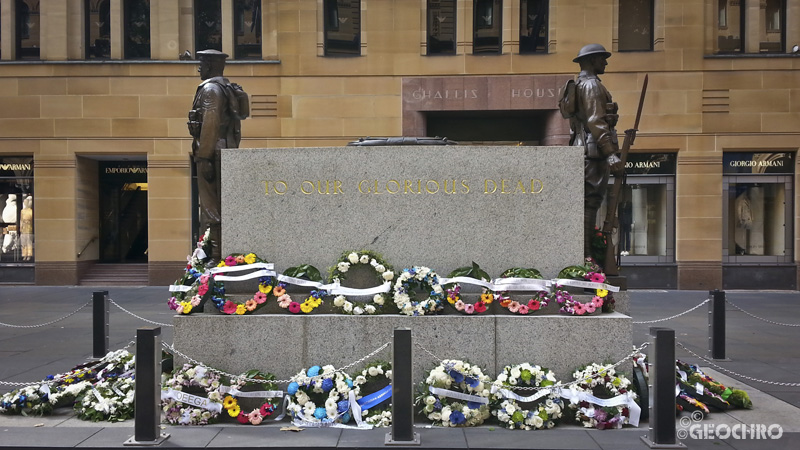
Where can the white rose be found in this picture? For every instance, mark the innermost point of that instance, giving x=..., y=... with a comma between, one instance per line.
x=361, y=379
x=369, y=309
x=339, y=301
x=511, y=409
x=302, y=398
x=358, y=310
x=364, y=259
x=436, y=416
x=353, y=257
x=348, y=307
x=343, y=267
x=378, y=299
x=388, y=275
x=537, y=421
x=515, y=372
x=373, y=371
x=502, y=378
x=380, y=268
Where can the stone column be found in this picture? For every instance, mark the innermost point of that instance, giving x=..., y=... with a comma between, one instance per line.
x=116, y=35
x=8, y=49
x=53, y=31
x=164, y=35
x=227, y=27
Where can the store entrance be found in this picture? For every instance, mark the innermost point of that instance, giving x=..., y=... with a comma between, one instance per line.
x=123, y=212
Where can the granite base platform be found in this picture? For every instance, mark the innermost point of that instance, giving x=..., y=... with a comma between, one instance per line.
x=283, y=344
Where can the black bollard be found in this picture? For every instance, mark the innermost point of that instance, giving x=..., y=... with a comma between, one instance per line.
x=716, y=325
x=402, y=391
x=99, y=324
x=147, y=415
x=662, y=433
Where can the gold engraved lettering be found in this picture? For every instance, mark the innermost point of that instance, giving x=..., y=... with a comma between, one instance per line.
x=452, y=188
x=303, y=187
x=337, y=187
x=319, y=187
x=486, y=186
x=275, y=187
x=520, y=187
x=396, y=184
x=503, y=187
x=537, y=186
x=361, y=187
x=428, y=189
x=409, y=188
x=465, y=187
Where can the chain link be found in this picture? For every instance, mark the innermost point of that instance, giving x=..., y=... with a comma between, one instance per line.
x=139, y=317
x=675, y=316
x=738, y=375
x=47, y=323
x=762, y=319
x=175, y=351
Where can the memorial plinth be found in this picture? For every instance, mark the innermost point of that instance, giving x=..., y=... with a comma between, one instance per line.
x=442, y=207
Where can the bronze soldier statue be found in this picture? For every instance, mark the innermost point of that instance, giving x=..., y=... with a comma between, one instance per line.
x=214, y=123
x=592, y=115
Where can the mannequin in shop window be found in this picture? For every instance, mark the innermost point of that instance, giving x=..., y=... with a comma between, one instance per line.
x=26, y=228
x=625, y=227
x=744, y=221
x=10, y=218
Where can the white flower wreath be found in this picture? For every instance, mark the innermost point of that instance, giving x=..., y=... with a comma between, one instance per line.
x=191, y=378
x=320, y=395
x=455, y=394
x=510, y=412
x=110, y=400
x=339, y=272
x=425, y=279
x=376, y=374
x=603, y=382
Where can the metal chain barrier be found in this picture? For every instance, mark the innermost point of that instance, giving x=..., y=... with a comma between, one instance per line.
x=738, y=375
x=761, y=318
x=675, y=316
x=139, y=317
x=172, y=349
x=47, y=323
x=22, y=383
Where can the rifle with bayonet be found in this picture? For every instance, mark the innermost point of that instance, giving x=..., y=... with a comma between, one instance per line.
x=611, y=263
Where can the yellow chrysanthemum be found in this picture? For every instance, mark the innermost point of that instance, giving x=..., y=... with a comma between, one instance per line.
x=250, y=258
x=221, y=264
x=265, y=288
x=187, y=307
x=306, y=307
x=487, y=298
x=602, y=293
x=234, y=411
x=229, y=402
x=452, y=300
x=240, y=309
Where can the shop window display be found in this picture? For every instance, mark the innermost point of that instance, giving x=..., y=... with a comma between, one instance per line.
x=16, y=218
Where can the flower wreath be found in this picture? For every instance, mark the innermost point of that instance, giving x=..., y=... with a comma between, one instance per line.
x=195, y=268
x=421, y=278
x=312, y=302
x=454, y=291
x=383, y=271
x=110, y=399
x=217, y=287
x=28, y=400
x=230, y=401
x=601, y=301
x=538, y=301
x=446, y=386
x=191, y=380
x=320, y=395
x=602, y=382
x=377, y=379
x=511, y=414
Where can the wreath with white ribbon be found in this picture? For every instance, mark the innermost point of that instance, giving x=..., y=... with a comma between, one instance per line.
x=253, y=267
x=191, y=396
x=469, y=275
x=374, y=407
x=411, y=280
x=184, y=292
x=544, y=406
x=110, y=399
x=455, y=394
x=521, y=279
x=602, y=399
x=268, y=397
x=319, y=396
x=380, y=294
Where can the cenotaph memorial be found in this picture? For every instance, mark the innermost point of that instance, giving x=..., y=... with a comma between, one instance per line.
x=441, y=207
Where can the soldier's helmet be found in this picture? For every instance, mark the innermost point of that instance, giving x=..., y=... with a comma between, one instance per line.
x=592, y=49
